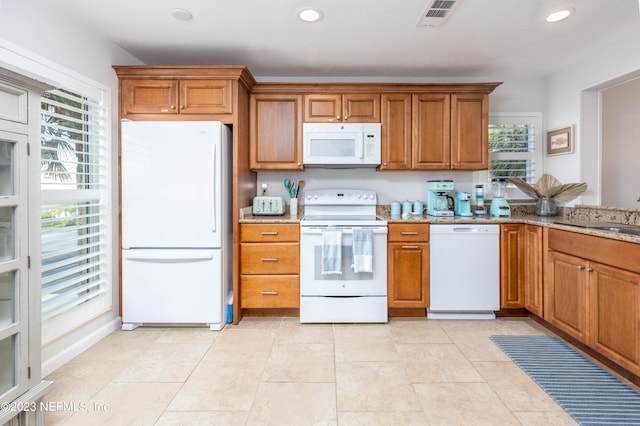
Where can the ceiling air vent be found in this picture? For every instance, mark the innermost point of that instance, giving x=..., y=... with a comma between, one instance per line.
x=437, y=13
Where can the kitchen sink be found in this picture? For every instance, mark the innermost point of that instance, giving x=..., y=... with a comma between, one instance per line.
x=605, y=226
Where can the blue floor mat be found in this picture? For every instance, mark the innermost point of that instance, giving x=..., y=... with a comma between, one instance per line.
x=585, y=391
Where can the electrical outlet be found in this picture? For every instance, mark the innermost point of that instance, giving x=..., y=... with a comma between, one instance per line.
x=265, y=189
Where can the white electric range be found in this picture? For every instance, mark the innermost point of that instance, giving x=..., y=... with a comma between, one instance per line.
x=343, y=295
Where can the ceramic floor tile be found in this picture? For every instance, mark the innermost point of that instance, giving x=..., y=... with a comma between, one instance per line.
x=372, y=343
x=515, y=388
x=436, y=363
x=277, y=371
x=300, y=363
x=404, y=418
x=164, y=362
x=368, y=386
x=476, y=345
x=126, y=404
x=203, y=418
x=541, y=418
x=202, y=335
x=463, y=404
x=417, y=331
x=291, y=332
x=294, y=404
x=122, y=345
x=245, y=340
x=216, y=385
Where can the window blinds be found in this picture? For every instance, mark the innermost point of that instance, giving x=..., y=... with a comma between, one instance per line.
x=512, y=146
x=73, y=226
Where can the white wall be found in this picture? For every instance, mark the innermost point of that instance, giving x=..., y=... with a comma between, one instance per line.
x=31, y=29
x=621, y=145
x=569, y=90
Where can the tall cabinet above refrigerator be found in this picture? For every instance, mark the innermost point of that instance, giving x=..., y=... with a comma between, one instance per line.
x=176, y=223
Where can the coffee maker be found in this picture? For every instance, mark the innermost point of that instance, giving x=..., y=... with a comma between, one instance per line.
x=499, y=206
x=463, y=204
x=439, y=203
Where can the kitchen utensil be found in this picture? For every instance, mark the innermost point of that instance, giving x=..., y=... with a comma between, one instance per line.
x=463, y=204
x=289, y=185
x=499, y=206
x=439, y=203
x=300, y=186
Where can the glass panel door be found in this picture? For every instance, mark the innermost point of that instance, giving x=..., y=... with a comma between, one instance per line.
x=14, y=315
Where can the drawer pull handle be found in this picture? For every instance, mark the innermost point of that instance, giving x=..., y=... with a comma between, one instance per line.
x=269, y=259
x=269, y=293
x=409, y=233
x=409, y=247
x=270, y=233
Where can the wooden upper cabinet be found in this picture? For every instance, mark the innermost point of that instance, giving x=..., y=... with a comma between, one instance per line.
x=335, y=108
x=275, y=133
x=206, y=97
x=430, y=131
x=396, y=131
x=149, y=96
x=469, y=131
x=174, y=96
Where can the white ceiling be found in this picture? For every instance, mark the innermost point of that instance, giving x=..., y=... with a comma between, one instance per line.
x=359, y=38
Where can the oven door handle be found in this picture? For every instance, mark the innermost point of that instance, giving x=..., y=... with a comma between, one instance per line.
x=345, y=230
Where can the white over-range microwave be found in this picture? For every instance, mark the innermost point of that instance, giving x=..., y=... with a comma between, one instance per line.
x=341, y=144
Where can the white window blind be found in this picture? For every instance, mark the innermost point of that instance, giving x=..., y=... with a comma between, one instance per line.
x=514, y=146
x=74, y=224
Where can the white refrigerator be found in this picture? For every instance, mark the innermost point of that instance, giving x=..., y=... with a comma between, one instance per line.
x=176, y=223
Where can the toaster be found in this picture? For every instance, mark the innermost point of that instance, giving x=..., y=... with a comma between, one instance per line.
x=268, y=206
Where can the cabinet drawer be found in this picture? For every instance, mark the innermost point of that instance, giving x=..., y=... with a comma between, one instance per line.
x=278, y=258
x=408, y=232
x=268, y=291
x=259, y=233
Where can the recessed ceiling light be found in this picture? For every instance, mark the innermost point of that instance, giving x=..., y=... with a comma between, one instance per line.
x=559, y=15
x=181, y=14
x=309, y=14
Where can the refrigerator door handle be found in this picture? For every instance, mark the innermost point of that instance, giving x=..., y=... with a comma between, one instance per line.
x=215, y=170
x=173, y=256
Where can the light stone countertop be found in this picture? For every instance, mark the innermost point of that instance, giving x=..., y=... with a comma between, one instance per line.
x=520, y=214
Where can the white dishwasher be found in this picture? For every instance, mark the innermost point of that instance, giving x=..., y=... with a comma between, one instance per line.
x=464, y=271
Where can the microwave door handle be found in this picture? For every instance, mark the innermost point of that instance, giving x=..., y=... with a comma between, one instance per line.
x=360, y=146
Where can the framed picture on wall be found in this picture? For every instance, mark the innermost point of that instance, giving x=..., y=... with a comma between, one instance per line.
x=560, y=141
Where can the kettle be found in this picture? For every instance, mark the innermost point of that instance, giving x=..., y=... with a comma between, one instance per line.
x=463, y=204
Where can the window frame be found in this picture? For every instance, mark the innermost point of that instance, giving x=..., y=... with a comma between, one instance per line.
x=536, y=156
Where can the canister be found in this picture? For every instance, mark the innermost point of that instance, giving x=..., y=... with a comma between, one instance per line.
x=406, y=207
x=418, y=207
x=395, y=210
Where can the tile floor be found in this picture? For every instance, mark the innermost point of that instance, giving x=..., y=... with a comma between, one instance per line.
x=276, y=371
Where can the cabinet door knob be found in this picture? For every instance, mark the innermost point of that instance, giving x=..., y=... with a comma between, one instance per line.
x=589, y=269
x=337, y=117
x=580, y=267
x=173, y=107
x=181, y=106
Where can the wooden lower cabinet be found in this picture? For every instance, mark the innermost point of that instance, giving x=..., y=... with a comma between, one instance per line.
x=408, y=266
x=269, y=266
x=568, y=295
x=597, y=299
x=512, y=266
x=533, y=269
x=615, y=314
